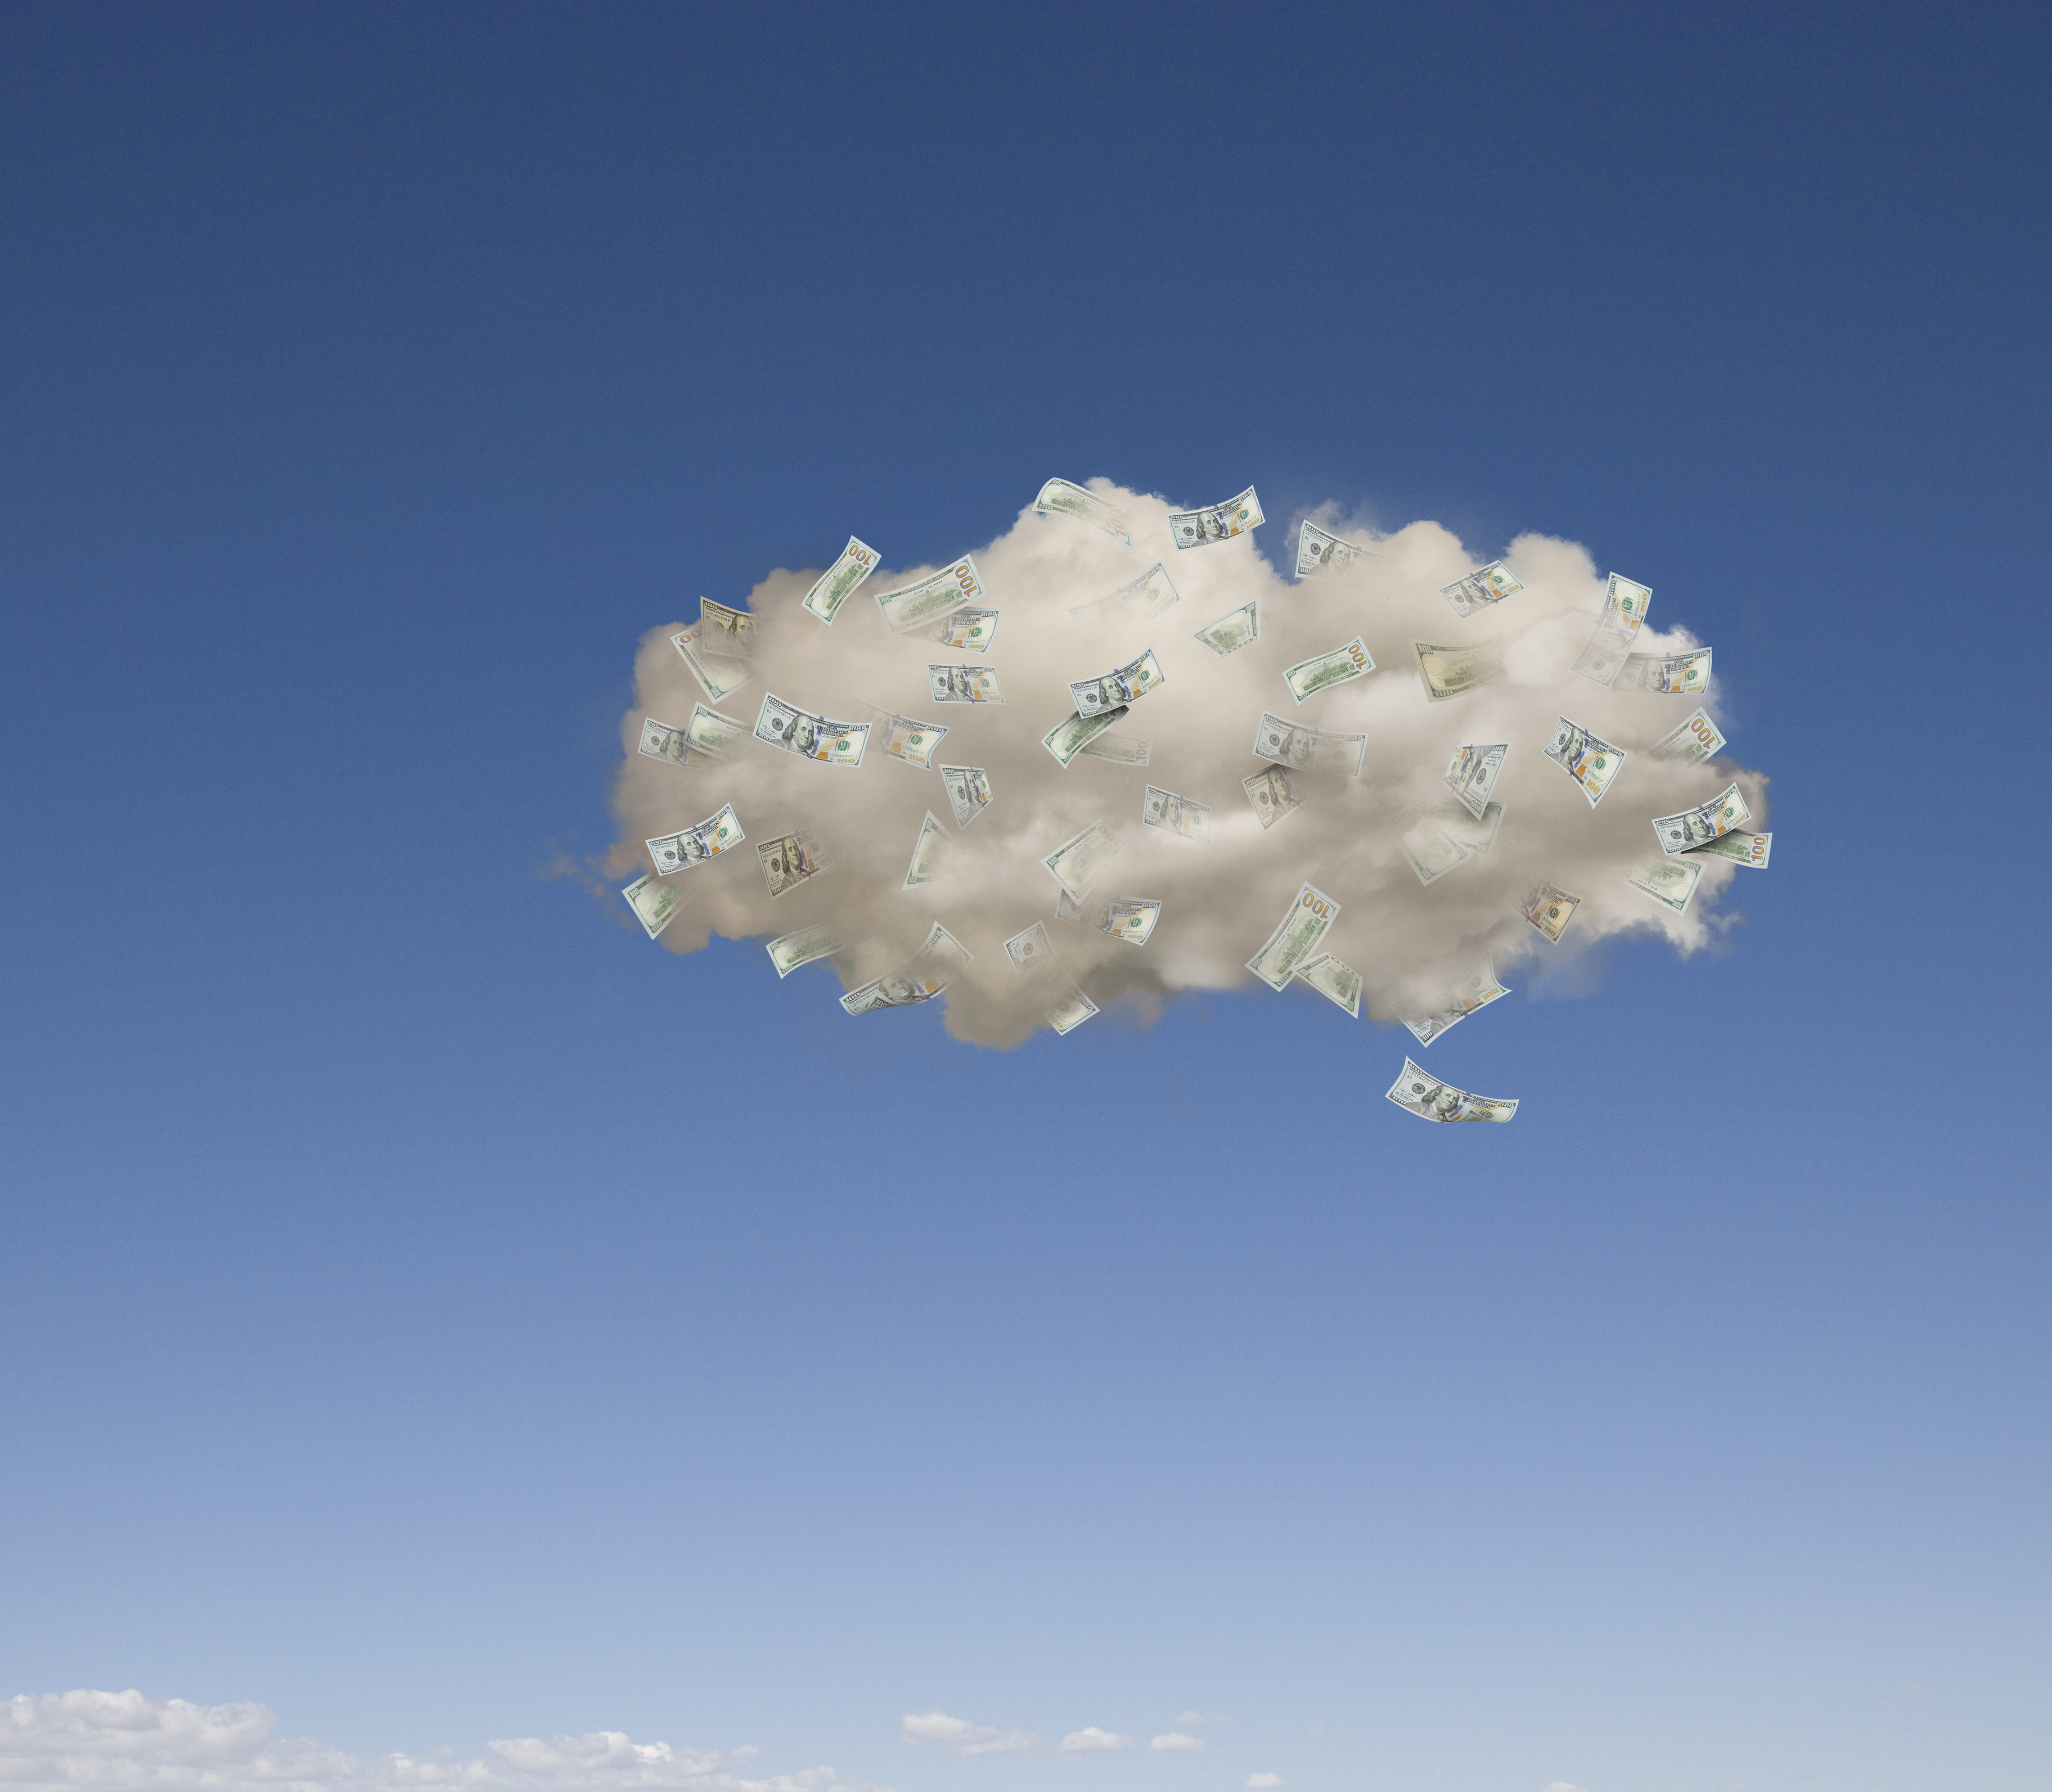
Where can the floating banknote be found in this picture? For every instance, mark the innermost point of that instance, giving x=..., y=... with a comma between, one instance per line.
x=1479, y=589
x=1472, y=773
x=714, y=734
x=1308, y=749
x=1121, y=686
x=1031, y=949
x=1590, y=761
x=1450, y=671
x=1131, y=919
x=927, y=852
x=1075, y=863
x=723, y=629
x=1062, y=1006
x=1273, y=792
x=1195, y=528
x=660, y=741
x=1706, y=822
x=968, y=791
x=692, y=846
x=1122, y=749
x=655, y=903
x=1696, y=740
x=1337, y=983
x=830, y=591
x=1183, y=816
x=1320, y=555
x=1067, y=1009
x=1670, y=883
x=795, y=859
x=1297, y=937
x=1068, y=738
x=940, y=594
x=802, y=948
x=915, y=742
x=1432, y=1015
x=1060, y=498
x=1308, y=677
x=1625, y=605
x=719, y=675
x=809, y=736
x=964, y=683
x=1148, y=595
x=1675, y=675
x=1740, y=847
x=920, y=978
x=1432, y=851
x=1418, y=1091
x=1549, y=910
x=1475, y=833
x=1233, y=630
x=970, y=629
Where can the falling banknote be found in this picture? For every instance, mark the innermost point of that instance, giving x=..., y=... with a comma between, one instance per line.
x=1122, y=749
x=1069, y=737
x=1472, y=773
x=1475, y=833
x=1198, y=528
x=1591, y=763
x=1625, y=605
x=1075, y=863
x=712, y=734
x=968, y=791
x=796, y=859
x=1273, y=792
x=1452, y=672
x=964, y=683
x=1670, y=882
x=718, y=674
x=724, y=630
x=1233, y=630
x=1417, y=1092
x=1695, y=740
x=1062, y=1006
x=1339, y=983
x=1740, y=847
x=1321, y=671
x=811, y=737
x=655, y=903
x=1320, y=555
x=692, y=847
x=920, y=978
x=1306, y=749
x=1182, y=816
x=1448, y=1007
x=1431, y=850
x=1060, y=497
x=792, y=950
x=971, y=629
x=831, y=589
x=1131, y=919
x=1305, y=923
x=1135, y=602
x=940, y=593
x=1479, y=589
x=927, y=852
x=1549, y=910
x=1706, y=822
x=1675, y=675
x=660, y=741
x=1121, y=686
x=913, y=743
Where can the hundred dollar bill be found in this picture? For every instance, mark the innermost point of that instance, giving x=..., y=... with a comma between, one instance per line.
x=1233, y=630
x=1670, y=882
x=1740, y=847
x=964, y=683
x=1418, y=1091
x=660, y=741
x=692, y=846
x=1432, y=851
x=915, y=742
x=1308, y=749
x=1337, y=981
x=727, y=630
x=712, y=734
x=802, y=948
x=1131, y=919
x=1031, y=951
x=927, y=852
x=1066, y=1008
x=1183, y=816
x=718, y=674
x=1474, y=834
x=1058, y=497
x=940, y=593
x=1450, y=671
x=794, y=859
x=1549, y=910
x=1121, y=685
x=809, y=736
x=970, y=629
x=1481, y=588
x=1062, y=1006
x=1135, y=602
x=1067, y=739
x=1706, y=822
x=1472, y=773
x=1320, y=555
x=655, y=904
x=1308, y=677
x=1075, y=863
x=1273, y=792
x=1592, y=761
x=1448, y=1007
x=830, y=591
x=1625, y=605
x=1195, y=528
x=1696, y=740
x=1675, y=675
x=968, y=791
x=919, y=978
x=1297, y=937
x=1123, y=749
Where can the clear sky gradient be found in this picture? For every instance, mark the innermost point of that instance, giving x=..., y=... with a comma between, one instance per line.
x=433, y=1311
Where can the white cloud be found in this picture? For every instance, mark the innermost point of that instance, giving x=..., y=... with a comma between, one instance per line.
x=1091, y=1740
x=122, y=1742
x=1174, y=1740
x=962, y=1736
x=1199, y=1717
x=1261, y=1782
x=1561, y=1786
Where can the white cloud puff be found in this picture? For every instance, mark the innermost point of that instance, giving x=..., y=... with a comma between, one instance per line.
x=122, y=1742
x=962, y=1736
x=1091, y=1740
x=1174, y=1740
x=1561, y=1786
x=1262, y=1782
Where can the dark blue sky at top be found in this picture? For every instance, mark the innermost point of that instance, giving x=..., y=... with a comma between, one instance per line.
x=432, y=1311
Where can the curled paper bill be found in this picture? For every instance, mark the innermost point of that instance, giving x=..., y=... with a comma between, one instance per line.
x=830, y=591
x=1418, y=1091
x=1184, y=817
x=1706, y=822
x=790, y=951
x=1592, y=761
x=955, y=586
x=920, y=978
x=1062, y=497
x=1322, y=555
x=1740, y=847
x=692, y=847
x=1233, y=630
x=1696, y=739
x=1549, y=910
x=655, y=903
x=1130, y=919
x=1297, y=937
x=1479, y=589
x=1198, y=528
x=1339, y=983
x=1134, y=601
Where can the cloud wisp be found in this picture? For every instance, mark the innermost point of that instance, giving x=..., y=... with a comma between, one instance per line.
x=962, y=1737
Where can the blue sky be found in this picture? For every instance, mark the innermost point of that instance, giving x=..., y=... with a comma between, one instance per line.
x=438, y=1316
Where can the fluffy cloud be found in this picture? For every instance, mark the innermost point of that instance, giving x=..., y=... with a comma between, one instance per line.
x=122, y=1742
x=962, y=1736
x=1261, y=1782
x=1092, y=1740
x=1175, y=1740
x=1220, y=901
